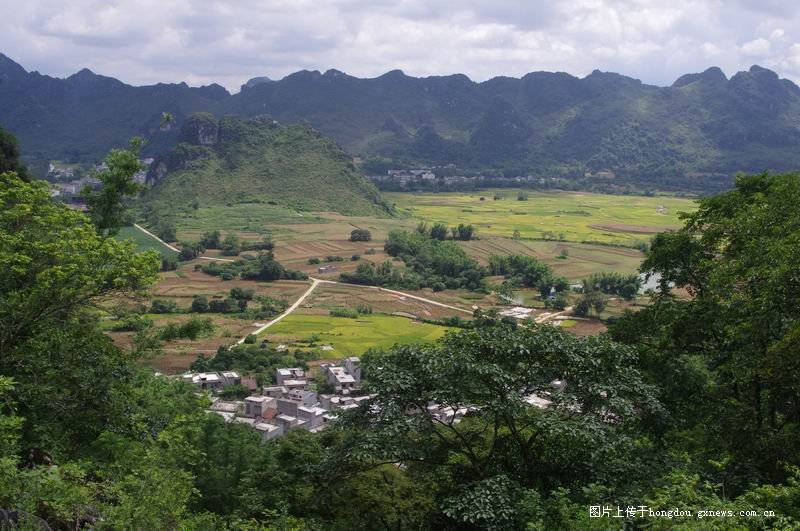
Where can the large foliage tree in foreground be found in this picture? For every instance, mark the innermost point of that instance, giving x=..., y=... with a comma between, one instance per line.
x=9, y=156
x=524, y=431
x=728, y=356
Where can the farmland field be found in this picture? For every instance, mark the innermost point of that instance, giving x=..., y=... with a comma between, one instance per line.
x=577, y=234
x=574, y=261
x=144, y=242
x=350, y=337
x=571, y=216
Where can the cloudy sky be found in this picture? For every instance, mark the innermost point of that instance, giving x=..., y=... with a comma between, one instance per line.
x=230, y=41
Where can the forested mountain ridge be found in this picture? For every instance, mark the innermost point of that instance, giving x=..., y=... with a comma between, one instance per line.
x=79, y=118
x=236, y=160
x=542, y=124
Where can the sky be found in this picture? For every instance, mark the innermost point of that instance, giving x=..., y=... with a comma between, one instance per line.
x=230, y=41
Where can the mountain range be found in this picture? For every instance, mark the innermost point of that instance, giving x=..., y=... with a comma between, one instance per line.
x=703, y=126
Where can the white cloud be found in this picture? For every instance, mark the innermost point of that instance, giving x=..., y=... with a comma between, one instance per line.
x=710, y=49
x=204, y=41
x=756, y=47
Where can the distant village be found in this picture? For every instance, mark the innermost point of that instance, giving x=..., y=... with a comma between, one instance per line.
x=291, y=403
x=427, y=178
x=296, y=403
x=66, y=182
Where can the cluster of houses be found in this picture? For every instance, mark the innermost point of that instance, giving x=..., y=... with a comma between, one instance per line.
x=67, y=184
x=67, y=191
x=289, y=404
x=403, y=177
x=422, y=176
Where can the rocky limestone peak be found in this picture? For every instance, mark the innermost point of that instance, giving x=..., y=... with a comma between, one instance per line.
x=200, y=129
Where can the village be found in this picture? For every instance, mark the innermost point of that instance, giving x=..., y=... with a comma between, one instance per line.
x=67, y=182
x=293, y=402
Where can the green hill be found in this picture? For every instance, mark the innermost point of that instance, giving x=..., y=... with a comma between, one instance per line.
x=239, y=160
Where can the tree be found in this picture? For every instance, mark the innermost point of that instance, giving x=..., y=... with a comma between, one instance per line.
x=590, y=301
x=439, y=231
x=242, y=293
x=360, y=235
x=464, y=232
x=165, y=229
x=163, y=306
x=503, y=444
x=107, y=206
x=730, y=349
x=211, y=240
x=9, y=156
x=55, y=264
x=200, y=304
x=231, y=246
x=190, y=251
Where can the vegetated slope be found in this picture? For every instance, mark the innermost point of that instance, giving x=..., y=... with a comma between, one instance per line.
x=703, y=127
x=240, y=160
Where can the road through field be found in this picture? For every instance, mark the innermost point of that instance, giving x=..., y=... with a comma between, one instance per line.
x=165, y=244
x=168, y=246
x=314, y=283
x=422, y=299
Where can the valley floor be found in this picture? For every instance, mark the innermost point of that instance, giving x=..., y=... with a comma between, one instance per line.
x=567, y=220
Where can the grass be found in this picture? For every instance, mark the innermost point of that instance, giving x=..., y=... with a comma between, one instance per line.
x=353, y=337
x=571, y=216
x=144, y=242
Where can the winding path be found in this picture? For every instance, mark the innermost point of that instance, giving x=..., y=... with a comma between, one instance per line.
x=314, y=283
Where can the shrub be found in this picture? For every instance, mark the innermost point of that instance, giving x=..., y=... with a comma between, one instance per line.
x=228, y=305
x=163, y=306
x=439, y=231
x=360, y=235
x=235, y=391
x=314, y=261
x=231, y=246
x=242, y=293
x=191, y=329
x=169, y=264
x=211, y=240
x=133, y=323
x=165, y=229
x=190, y=251
x=344, y=312
x=200, y=304
x=438, y=286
